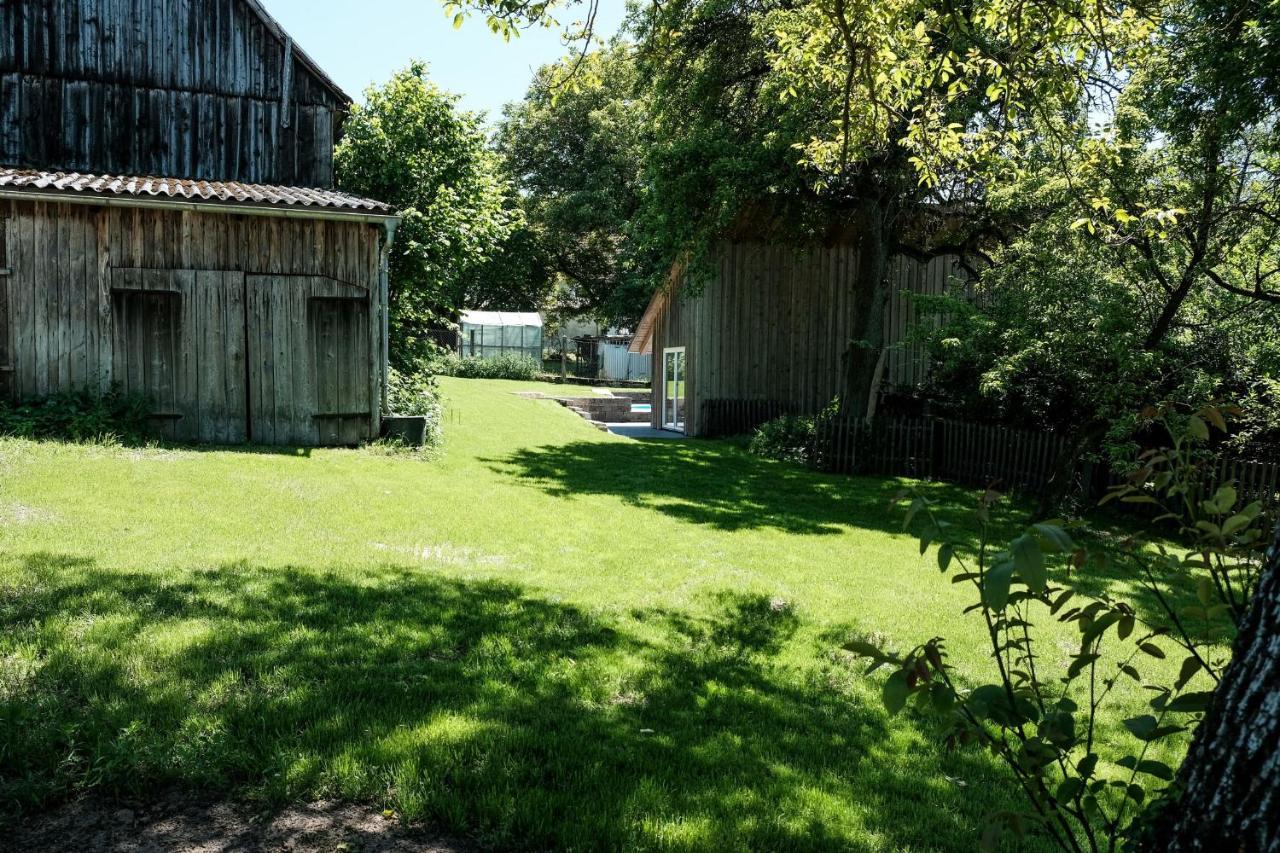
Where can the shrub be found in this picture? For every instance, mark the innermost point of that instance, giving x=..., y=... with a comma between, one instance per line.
x=80, y=415
x=1042, y=709
x=505, y=366
x=417, y=393
x=788, y=438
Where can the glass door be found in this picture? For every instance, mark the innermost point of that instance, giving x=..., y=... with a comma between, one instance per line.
x=673, y=379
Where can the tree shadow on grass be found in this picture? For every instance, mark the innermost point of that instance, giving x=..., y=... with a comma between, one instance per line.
x=717, y=484
x=474, y=707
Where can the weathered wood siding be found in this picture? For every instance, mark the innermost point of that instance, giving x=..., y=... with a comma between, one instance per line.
x=6, y=365
x=175, y=88
x=239, y=327
x=773, y=325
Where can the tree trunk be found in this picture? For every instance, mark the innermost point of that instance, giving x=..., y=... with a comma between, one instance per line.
x=870, y=298
x=1229, y=784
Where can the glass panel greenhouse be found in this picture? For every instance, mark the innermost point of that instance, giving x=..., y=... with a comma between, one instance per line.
x=488, y=334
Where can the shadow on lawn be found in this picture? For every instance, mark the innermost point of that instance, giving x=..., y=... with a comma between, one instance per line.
x=474, y=707
x=717, y=484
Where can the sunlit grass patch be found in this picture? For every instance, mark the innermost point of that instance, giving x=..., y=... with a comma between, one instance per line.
x=546, y=637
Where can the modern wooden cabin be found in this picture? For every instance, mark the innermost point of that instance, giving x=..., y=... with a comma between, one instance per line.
x=768, y=332
x=168, y=223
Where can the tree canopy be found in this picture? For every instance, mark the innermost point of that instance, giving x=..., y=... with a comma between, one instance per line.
x=577, y=157
x=411, y=146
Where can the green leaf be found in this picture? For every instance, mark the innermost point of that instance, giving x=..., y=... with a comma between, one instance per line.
x=1152, y=649
x=1069, y=789
x=895, y=693
x=1205, y=591
x=1146, y=728
x=1054, y=536
x=1190, y=666
x=1125, y=626
x=995, y=586
x=945, y=554
x=1029, y=561
x=1191, y=703
x=1097, y=628
x=1234, y=523
x=1141, y=726
x=1197, y=428
x=1225, y=498
x=458, y=20
x=1158, y=769
x=1080, y=662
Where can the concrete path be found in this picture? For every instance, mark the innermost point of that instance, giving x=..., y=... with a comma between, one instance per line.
x=642, y=431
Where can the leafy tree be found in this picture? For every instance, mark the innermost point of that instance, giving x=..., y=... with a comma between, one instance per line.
x=577, y=157
x=798, y=110
x=411, y=146
x=1136, y=254
x=1043, y=716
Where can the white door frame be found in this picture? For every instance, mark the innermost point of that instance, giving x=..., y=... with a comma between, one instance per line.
x=677, y=421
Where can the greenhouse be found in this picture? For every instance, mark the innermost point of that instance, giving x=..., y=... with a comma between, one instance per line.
x=488, y=334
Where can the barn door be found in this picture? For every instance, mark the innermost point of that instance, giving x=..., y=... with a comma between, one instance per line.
x=179, y=338
x=228, y=358
x=311, y=371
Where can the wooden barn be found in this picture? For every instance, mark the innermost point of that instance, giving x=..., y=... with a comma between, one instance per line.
x=168, y=223
x=768, y=333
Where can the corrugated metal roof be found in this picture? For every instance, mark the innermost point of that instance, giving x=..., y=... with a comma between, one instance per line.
x=501, y=318
x=175, y=189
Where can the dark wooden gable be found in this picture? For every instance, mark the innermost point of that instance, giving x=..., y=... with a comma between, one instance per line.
x=208, y=89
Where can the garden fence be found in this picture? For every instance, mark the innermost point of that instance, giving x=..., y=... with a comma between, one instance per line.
x=986, y=454
x=937, y=448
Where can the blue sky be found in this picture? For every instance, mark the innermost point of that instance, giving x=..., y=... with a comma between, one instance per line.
x=359, y=42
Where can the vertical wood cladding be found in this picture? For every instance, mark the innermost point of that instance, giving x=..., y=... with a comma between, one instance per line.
x=238, y=327
x=176, y=88
x=6, y=348
x=773, y=324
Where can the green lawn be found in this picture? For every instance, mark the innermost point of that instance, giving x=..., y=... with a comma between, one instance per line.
x=546, y=637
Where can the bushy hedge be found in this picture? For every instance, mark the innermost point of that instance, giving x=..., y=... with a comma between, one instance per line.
x=788, y=438
x=506, y=366
x=417, y=394
x=81, y=415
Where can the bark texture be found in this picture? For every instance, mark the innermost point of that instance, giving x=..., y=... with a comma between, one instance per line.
x=871, y=295
x=1230, y=781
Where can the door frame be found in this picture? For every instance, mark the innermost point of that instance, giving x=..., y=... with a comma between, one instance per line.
x=677, y=422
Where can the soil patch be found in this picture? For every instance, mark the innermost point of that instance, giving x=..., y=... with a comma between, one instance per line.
x=179, y=824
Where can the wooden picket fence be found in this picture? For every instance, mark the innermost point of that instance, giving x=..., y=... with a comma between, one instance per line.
x=960, y=452
x=985, y=454
x=1254, y=481
x=937, y=448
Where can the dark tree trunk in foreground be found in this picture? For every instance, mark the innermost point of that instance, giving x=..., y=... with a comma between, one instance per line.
x=1230, y=781
x=870, y=298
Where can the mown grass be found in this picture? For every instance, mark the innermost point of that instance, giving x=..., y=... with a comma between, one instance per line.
x=547, y=637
